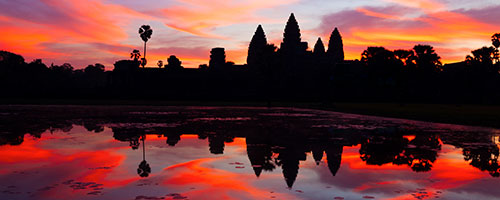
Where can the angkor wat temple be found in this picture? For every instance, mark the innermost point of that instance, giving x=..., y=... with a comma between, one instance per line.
x=290, y=71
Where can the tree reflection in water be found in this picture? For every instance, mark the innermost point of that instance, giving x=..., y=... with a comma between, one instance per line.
x=419, y=153
x=484, y=158
x=270, y=146
x=144, y=169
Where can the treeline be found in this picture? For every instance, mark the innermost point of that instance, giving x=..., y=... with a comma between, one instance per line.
x=35, y=79
x=417, y=75
x=288, y=73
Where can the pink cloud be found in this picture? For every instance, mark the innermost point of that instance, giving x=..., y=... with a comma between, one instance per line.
x=199, y=17
x=89, y=31
x=30, y=26
x=388, y=27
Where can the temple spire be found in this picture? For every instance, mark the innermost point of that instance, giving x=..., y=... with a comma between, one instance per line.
x=335, y=48
x=291, y=36
x=257, y=47
x=319, y=47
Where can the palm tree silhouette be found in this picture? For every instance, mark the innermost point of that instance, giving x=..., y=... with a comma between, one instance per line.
x=144, y=169
x=135, y=55
x=145, y=32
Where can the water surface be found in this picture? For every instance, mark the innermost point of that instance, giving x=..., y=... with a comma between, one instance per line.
x=105, y=152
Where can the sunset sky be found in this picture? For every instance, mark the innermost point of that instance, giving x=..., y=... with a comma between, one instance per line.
x=83, y=32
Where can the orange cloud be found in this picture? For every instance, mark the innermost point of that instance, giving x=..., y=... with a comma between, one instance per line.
x=82, y=32
x=377, y=14
x=427, y=5
x=28, y=152
x=215, y=183
x=63, y=22
x=199, y=17
x=454, y=32
x=237, y=55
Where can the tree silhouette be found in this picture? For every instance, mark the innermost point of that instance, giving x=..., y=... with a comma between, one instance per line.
x=94, y=69
x=93, y=127
x=483, y=60
x=145, y=32
x=37, y=66
x=495, y=40
x=144, y=169
x=335, y=51
x=484, y=158
x=373, y=54
x=160, y=64
x=135, y=55
x=381, y=62
x=484, y=56
x=203, y=67
x=65, y=68
x=427, y=59
x=381, y=150
x=420, y=153
x=173, y=138
x=174, y=62
x=407, y=57
x=10, y=60
x=11, y=139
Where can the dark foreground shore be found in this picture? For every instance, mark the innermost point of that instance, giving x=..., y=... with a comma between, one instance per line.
x=463, y=114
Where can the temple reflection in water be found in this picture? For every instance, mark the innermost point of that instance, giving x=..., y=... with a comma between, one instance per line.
x=417, y=152
x=180, y=146
x=282, y=141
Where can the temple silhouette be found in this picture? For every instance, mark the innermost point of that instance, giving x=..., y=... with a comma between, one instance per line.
x=290, y=72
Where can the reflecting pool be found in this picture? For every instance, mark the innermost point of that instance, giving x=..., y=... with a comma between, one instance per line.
x=149, y=153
